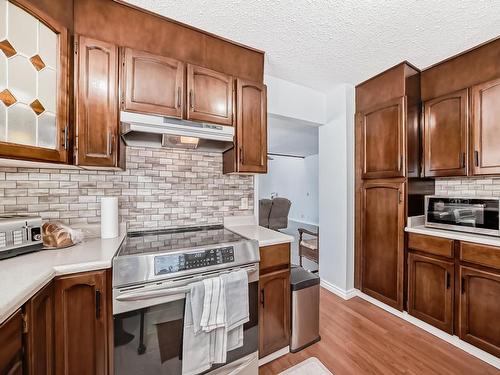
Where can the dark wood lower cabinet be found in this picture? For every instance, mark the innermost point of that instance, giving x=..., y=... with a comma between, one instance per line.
x=11, y=345
x=382, y=241
x=480, y=309
x=82, y=324
x=430, y=290
x=39, y=338
x=274, y=312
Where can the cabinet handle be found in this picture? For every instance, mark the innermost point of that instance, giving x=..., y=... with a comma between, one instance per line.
x=448, y=280
x=400, y=196
x=110, y=143
x=241, y=155
x=262, y=298
x=66, y=141
x=463, y=285
x=400, y=163
x=191, y=99
x=462, y=160
x=178, y=97
x=97, y=304
x=476, y=158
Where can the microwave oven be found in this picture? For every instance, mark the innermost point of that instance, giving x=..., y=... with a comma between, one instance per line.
x=478, y=215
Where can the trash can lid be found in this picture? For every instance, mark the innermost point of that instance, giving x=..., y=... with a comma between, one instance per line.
x=301, y=279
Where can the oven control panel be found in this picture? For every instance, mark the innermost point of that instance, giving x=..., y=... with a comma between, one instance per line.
x=166, y=264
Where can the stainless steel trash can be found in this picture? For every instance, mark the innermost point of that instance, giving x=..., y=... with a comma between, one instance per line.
x=305, y=309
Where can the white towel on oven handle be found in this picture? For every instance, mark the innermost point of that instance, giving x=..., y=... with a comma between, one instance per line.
x=237, y=305
x=196, y=348
x=214, y=304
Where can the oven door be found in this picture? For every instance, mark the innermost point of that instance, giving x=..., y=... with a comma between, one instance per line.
x=148, y=329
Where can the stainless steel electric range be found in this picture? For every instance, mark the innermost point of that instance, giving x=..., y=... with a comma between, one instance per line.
x=152, y=272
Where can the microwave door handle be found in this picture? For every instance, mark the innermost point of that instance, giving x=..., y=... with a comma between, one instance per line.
x=138, y=296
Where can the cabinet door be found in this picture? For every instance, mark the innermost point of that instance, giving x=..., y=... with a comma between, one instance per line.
x=40, y=335
x=152, y=84
x=81, y=324
x=34, y=91
x=430, y=291
x=251, y=127
x=274, y=312
x=382, y=241
x=445, y=135
x=479, y=309
x=486, y=128
x=11, y=332
x=382, y=140
x=210, y=95
x=96, y=85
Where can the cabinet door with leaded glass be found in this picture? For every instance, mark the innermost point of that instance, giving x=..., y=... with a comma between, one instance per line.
x=33, y=84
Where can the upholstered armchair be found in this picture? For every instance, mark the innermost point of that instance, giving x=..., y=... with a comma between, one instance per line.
x=273, y=214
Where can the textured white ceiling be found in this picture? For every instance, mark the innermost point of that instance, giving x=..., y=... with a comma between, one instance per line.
x=319, y=43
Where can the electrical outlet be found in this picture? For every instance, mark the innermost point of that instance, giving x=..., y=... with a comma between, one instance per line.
x=244, y=203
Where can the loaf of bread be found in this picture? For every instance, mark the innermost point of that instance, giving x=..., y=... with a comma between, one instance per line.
x=56, y=235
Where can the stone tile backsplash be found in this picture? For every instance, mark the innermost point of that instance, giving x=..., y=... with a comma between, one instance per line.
x=486, y=187
x=161, y=188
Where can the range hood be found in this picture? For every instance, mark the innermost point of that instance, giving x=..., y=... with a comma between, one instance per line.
x=157, y=131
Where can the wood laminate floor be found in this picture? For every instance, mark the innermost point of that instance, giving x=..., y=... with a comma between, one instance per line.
x=360, y=338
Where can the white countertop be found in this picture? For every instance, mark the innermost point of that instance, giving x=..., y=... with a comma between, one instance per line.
x=22, y=276
x=416, y=226
x=246, y=227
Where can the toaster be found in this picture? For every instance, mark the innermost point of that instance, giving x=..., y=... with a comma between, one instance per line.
x=20, y=235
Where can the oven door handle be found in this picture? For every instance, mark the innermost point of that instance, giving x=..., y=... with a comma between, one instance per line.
x=166, y=291
x=138, y=296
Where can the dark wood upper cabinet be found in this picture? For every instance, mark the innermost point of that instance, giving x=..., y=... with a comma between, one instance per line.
x=11, y=332
x=430, y=290
x=39, y=311
x=446, y=135
x=152, y=84
x=251, y=126
x=274, y=312
x=486, y=128
x=96, y=96
x=210, y=96
x=382, y=241
x=34, y=116
x=81, y=316
x=479, y=309
x=382, y=143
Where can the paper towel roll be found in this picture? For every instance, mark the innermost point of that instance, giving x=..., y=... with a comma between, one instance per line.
x=109, y=217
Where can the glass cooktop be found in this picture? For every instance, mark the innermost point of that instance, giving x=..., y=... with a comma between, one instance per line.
x=168, y=240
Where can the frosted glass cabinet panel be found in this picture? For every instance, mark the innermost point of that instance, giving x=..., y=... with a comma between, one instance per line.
x=33, y=84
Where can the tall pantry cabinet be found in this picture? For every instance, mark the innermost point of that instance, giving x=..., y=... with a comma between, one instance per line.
x=387, y=152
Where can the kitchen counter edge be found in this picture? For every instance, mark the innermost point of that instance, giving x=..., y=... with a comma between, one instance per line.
x=265, y=236
x=23, y=276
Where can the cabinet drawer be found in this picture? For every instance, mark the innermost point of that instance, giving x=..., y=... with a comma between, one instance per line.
x=274, y=257
x=483, y=255
x=431, y=245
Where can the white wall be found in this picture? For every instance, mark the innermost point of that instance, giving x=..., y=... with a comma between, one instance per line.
x=297, y=180
x=336, y=189
x=295, y=101
x=335, y=112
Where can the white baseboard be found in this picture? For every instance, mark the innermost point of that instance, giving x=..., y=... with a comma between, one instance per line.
x=454, y=340
x=345, y=294
x=271, y=357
